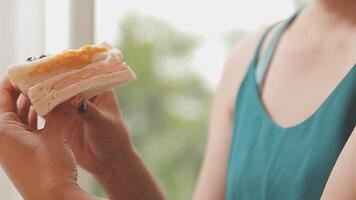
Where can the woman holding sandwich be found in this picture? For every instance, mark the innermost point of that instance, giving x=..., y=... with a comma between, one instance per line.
x=282, y=125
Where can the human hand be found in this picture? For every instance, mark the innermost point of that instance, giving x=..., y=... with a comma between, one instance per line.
x=101, y=144
x=97, y=134
x=38, y=162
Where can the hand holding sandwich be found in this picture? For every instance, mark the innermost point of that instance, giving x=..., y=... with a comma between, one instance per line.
x=101, y=144
x=38, y=162
x=96, y=134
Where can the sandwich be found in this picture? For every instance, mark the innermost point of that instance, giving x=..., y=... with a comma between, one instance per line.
x=52, y=80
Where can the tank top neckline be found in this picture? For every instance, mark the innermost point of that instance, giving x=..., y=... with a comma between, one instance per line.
x=270, y=50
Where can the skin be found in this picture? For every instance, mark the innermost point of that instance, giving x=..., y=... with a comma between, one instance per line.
x=323, y=20
x=48, y=154
x=108, y=153
x=111, y=157
x=43, y=153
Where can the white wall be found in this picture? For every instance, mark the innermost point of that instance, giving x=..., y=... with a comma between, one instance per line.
x=21, y=30
x=21, y=36
x=25, y=27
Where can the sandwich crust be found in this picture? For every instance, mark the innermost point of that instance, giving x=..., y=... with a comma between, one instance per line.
x=25, y=75
x=73, y=58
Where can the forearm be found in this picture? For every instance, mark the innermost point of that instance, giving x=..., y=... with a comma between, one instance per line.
x=129, y=179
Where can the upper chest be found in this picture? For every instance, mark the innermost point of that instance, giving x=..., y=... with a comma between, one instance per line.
x=303, y=72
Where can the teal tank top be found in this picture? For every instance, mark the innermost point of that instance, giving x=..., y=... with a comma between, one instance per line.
x=269, y=162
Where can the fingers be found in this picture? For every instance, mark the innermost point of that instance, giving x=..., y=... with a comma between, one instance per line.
x=86, y=111
x=91, y=115
x=95, y=99
x=108, y=95
x=8, y=95
x=56, y=124
x=32, y=119
x=26, y=112
x=107, y=101
x=23, y=108
x=71, y=105
x=59, y=119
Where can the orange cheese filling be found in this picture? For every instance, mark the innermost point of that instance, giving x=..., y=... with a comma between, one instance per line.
x=87, y=73
x=69, y=59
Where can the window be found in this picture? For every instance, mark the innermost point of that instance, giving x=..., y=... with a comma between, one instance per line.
x=177, y=48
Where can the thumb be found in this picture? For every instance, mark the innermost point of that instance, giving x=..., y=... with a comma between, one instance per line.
x=91, y=115
x=57, y=123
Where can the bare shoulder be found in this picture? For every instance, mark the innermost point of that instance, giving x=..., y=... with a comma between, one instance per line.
x=236, y=67
x=212, y=178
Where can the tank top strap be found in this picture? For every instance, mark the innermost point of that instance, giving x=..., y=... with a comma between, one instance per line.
x=266, y=56
x=260, y=43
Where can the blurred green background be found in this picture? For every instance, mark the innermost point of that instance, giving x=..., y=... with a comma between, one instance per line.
x=167, y=108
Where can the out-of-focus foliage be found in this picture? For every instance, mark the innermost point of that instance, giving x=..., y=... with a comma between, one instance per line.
x=232, y=37
x=299, y=4
x=167, y=108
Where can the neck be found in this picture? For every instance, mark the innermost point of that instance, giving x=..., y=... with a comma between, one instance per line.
x=336, y=10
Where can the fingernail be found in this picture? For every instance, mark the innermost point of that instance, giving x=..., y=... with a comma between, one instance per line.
x=30, y=59
x=76, y=101
x=82, y=108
